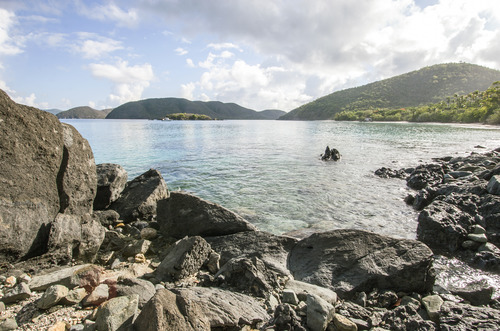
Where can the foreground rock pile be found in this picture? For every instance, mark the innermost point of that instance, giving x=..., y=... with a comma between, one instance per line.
x=86, y=249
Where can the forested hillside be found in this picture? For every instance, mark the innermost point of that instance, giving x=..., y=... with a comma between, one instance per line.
x=83, y=112
x=427, y=85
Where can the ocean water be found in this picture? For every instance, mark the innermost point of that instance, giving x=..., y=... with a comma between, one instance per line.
x=270, y=172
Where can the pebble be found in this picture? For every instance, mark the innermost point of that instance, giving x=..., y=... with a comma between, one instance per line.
x=342, y=323
x=10, y=281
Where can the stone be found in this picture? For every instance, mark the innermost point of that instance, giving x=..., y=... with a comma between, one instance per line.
x=342, y=323
x=271, y=302
x=459, y=316
x=478, y=229
x=136, y=247
x=65, y=236
x=59, y=326
x=273, y=250
x=285, y=318
x=144, y=289
x=10, y=281
x=59, y=275
x=186, y=257
x=432, y=304
x=117, y=313
x=212, y=262
x=8, y=324
x=88, y=277
x=319, y=313
x=52, y=296
x=93, y=234
x=477, y=292
x=18, y=293
x=78, y=178
x=330, y=154
x=162, y=312
x=149, y=233
x=350, y=261
x=480, y=238
x=107, y=217
x=425, y=175
x=248, y=275
x=184, y=214
x=406, y=318
x=31, y=153
x=443, y=226
x=74, y=296
x=493, y=186
x=302, y=289
x=2, y=307
x=111, y=180
x=390, y=173
x=97, y=296
x=289, y=296
x=139, y=198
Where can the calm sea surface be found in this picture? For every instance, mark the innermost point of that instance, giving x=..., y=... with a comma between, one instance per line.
x=270, y=172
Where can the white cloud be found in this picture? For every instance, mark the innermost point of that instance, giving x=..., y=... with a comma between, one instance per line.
x=110, y=12
x=130, y=81
x=220, y=46
x=190, y=63
x=96, y=46
x=30, y=101
x=187, y=90
x=181, y=51
x=8, y=44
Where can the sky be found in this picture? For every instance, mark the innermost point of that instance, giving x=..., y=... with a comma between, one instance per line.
x=260, y=54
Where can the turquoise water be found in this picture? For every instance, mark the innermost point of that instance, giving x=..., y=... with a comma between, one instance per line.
x=270, y=172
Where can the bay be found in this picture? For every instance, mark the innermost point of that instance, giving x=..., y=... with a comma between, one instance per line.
x=270, y=172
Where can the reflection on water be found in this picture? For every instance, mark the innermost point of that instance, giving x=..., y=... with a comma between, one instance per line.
x=270, y=171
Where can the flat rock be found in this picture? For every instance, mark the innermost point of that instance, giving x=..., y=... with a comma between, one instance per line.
x=59, y=275
x=302, y=289
x=459, y=316
x=139, y=197
x=19, y=292
x=184, y=214
x=111, y=180
x=350, y=261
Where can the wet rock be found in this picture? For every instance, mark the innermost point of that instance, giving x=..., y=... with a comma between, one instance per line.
x=319, y=313
x=117, y=313
x=111, y=180
x=425, y=175
x=459, y=316
x=443, y=226
x=186, y=257
x=271, y=249
x=350, y=261
x=52, y=296
x=140, y=196
x=130, y=286
x=391, y=173
x=19, y=292
x=330, y=154
x=184, y=214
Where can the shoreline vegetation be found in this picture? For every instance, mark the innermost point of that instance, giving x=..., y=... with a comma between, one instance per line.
x=187, y=117
x=475, y=107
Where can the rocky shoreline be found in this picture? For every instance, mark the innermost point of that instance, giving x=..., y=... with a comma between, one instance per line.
x=84, y=248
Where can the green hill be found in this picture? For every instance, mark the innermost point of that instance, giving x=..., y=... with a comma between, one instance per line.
x=161, y=107
x=427, y=85
x=272, y=114
x=83, y=112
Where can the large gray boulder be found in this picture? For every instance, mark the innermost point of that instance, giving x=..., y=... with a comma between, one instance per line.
x=139, y=198
x=31, y=152
x=184, y=214
x=273, y=250
x=117, y=313
x=111, y=180
x=443, y=226
x=350, y=261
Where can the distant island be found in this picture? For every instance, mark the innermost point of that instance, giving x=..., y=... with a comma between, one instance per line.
x=427, y=86
x=187, y=117
x=84, y=112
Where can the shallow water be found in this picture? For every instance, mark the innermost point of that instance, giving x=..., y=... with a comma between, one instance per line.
x=270, y=172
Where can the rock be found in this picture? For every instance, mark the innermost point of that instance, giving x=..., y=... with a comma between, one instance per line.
x=249, y=275
x=8, y=324
x=406, y=318
x=342, y=323
x=18, y=293
x=140, y=196
x=443, y=226
x=59, y=326
x=458, y=316
x=130, y=286
x=2, y=307
x=52, y=296
x=88, y=277
x=77, y=180
x=60, y=276
x=480, y=238
x=31, y=152
x=330, y=154
x=106, y=217
x=494, y=185
x=111, y=180
x=350, y=261
x=10, y=281
x=149, y=233
x=74, y=296
x=432, y=304
x=390, y=173
x=162, y=312
x=93, y=234
x=184, y=259
x=186, y=215
x=302, y=289
x=477, y=293
x=319, y=313
x=136, y=247
x=117, y=313
x=97, y=296
x=289, y=296
x=273, y=250
x=221, y=309
x=425, y=175
x=212, y=262
x=285, y=318
x=65, y=236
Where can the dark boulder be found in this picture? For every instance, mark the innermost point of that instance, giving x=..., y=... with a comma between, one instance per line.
x=443, y=226
x=350, y=261
x=184, y=214
x=425, y=175
x=140, y=196
x=111, y=180
x=330, y=154
x=459, y=316
x=407, y=318
x=391, y=173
